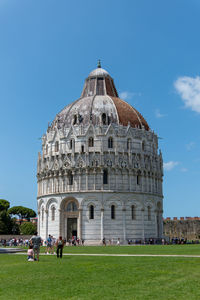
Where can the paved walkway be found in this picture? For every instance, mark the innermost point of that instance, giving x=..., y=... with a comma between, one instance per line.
x=10, y=250
x=120, y=255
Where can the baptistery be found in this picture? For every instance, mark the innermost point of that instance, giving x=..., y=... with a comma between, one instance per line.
x=100, y=171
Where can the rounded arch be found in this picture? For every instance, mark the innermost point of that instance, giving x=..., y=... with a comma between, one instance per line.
x=42, y=211
x=114, y=199
x=91, y=203
x=89, y=200
x=159, y=205
x=50, y=202
x=134, y=202
x=40, y=203
x=113, y=204
x=149, y=203
x=66, y=201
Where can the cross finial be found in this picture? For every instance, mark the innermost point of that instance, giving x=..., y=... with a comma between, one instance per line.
x=99, y=64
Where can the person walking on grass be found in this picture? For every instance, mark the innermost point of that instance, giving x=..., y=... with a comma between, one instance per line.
x=59, y=245
x=36, y=242
x=49, y=241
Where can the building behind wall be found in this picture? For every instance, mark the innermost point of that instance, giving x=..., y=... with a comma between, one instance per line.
x=100, y=172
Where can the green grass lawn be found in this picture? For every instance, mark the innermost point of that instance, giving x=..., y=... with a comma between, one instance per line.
x=147, y=249
x=86, y=277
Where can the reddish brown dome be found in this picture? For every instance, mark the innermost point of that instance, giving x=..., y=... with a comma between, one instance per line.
x=128, y=114
x=100, y=105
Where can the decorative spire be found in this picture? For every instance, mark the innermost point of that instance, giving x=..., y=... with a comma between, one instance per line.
x=99, y=64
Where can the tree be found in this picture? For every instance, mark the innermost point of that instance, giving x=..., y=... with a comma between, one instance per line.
x=4, y=204
x=5, y=223
x=22, y=212
x=5, y=220
x=28, y=228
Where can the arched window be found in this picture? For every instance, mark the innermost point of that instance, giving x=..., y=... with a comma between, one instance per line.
x=53, y=213
x=149, y=213
x=143, y=146
x=128, y=144
x=56, y=146
x=42, y=214
x=156, y=184
x=159, y=206
x=103, y=119
x=91, y=142
x=133, y=212
x=46, y=149
x=112, y=212
x=110, y=142
x=75, y=120
x=82, y=148
x=105, y=176
x=71, y=206
x=70, y=144
x=138, y=179
x=91, y=212
x=70, y=178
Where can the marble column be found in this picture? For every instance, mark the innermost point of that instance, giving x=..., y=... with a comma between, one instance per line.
x=102, y=220
x=156, y=223
x=73, y=182
x=129, y=179
x=101, y=179
x=38, y=224
x=60, y=221
x=79, y=233
x=46, y=216
x=94, y=179
x=86, y=174
x=79, y=180
x=161, y=223
x=142, y=212
x=52, y=185
x=115, y=174
x=124, y=224
x=109, y=177
x=65, y=229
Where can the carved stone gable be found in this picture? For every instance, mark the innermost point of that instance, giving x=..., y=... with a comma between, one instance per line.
x=55, y=165
x=66, y=163
x=80, y=162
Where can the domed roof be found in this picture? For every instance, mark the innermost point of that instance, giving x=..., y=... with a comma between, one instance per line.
x=99, y=104
x=98, y=72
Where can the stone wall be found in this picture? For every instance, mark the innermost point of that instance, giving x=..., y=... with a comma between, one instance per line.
x=187, y=228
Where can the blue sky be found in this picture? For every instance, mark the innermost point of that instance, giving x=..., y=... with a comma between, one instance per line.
x=150, y=48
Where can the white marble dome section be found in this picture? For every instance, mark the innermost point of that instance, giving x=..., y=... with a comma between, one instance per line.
x=98, y=175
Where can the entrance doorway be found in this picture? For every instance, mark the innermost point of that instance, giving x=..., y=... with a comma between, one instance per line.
x=71, y=228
